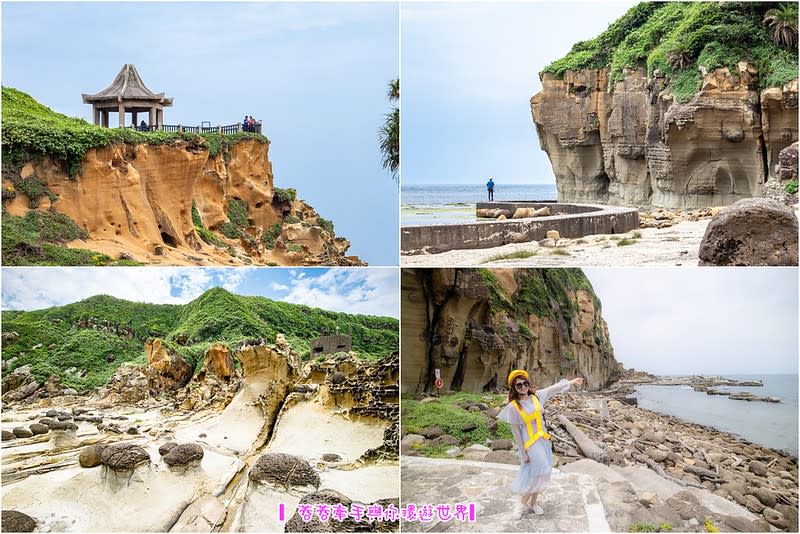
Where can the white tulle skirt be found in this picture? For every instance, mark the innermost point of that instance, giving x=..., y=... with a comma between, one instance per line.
x=535, y=475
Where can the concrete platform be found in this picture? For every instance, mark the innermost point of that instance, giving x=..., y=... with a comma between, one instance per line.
x=571, y=502
x=572, y=221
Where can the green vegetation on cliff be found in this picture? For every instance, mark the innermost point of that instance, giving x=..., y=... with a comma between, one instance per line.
x=39, y=238
x=679, y=37
x=87, y=334
x=32, y=130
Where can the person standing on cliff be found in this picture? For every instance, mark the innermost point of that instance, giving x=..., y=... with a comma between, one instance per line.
x=490, y=189
x=524, y=412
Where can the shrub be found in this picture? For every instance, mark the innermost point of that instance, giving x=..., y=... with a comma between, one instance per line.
x=271, y=235
x=230, y=230
x=791, y=187
x=284, y=196
x=677, y=37
x=326, y=224
x=237, y=212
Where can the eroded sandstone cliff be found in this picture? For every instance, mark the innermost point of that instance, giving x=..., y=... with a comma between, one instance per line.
x=633, y=143
x=476, y=325
x=137, y=201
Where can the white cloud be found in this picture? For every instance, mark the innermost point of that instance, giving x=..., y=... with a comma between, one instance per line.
x=29, y=288
x=279, y=287
x=370, y=291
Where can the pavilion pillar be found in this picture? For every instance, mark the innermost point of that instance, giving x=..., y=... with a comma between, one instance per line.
x=152, y=117
x=121, y=115
x=104, y=114
x=96, y=115
x=134, y=120
x=160, y=117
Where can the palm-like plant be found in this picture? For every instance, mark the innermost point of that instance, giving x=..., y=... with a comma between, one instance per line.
x=782, y=23
x=389, y=134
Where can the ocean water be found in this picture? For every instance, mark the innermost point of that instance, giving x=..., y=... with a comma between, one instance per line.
x=454, y=203
x=765, y=423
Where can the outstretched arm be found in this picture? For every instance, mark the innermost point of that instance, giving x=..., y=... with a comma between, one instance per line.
x=559, y=387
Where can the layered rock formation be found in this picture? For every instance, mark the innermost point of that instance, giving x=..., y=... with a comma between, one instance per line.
x=476, y=325
x=632, y=143
x=135, y=201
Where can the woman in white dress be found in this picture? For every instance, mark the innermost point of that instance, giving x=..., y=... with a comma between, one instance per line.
x=524, y=412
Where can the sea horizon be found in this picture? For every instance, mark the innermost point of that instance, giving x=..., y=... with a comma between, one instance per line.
x=427, y=204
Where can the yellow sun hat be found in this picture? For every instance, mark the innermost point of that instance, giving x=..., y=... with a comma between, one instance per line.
x=515, y=373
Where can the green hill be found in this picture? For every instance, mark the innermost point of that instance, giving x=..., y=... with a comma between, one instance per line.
x=87, y=334
x=678, y=37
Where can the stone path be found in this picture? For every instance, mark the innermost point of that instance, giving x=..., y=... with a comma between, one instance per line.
x=583, y=496
x=571, y=502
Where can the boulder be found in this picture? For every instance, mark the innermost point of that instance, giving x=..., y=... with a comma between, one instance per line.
x=775, y=518
x=17, y=378
x=412, y=439
x=766, y=497
x=446, y=439
x=501, y=457
x=284, y=470
x=91, y=456
x=8, y=435
x=757, y=468
x=185, y=454
x=14, y=521
x=331, y=457
x=751, y=232
x=168, y=446
x=123, y=456
x=22, y=432
x=432, y=432
x=502, y=445
x=38, y=428
x=333, y=499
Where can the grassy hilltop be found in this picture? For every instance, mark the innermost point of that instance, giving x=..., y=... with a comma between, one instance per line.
x=85, y=334
x=678, y=37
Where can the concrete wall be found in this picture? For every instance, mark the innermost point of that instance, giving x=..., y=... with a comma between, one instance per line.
x=573, y=221
x=331, y=344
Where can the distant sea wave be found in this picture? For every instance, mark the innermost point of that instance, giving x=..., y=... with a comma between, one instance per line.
x=454, y=203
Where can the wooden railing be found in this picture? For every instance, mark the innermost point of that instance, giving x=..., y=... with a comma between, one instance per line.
x=226, y=130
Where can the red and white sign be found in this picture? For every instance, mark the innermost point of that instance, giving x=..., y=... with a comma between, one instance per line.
x=439, y=383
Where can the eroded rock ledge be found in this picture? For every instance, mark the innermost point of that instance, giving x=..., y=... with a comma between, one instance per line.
x=136, y=202
x=634, y=144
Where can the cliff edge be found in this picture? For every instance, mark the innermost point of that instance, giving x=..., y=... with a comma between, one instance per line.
x=677, y=105
x=176, y=199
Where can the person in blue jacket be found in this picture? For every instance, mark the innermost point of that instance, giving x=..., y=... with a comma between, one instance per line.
x=490, y=189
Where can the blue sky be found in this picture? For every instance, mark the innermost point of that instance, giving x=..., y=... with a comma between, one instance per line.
x=704, y=320
x=468, y=73
x=316, y=74
x=363, y=290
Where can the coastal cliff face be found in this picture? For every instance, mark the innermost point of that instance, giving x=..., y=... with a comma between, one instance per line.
x=476, y=325
x=136, y=202
x=637, y=145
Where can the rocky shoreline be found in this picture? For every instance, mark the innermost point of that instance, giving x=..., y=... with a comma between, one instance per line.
x=218, y=454
x=759, y=479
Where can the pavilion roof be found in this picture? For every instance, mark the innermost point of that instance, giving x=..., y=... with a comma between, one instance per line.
x=128, y=85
